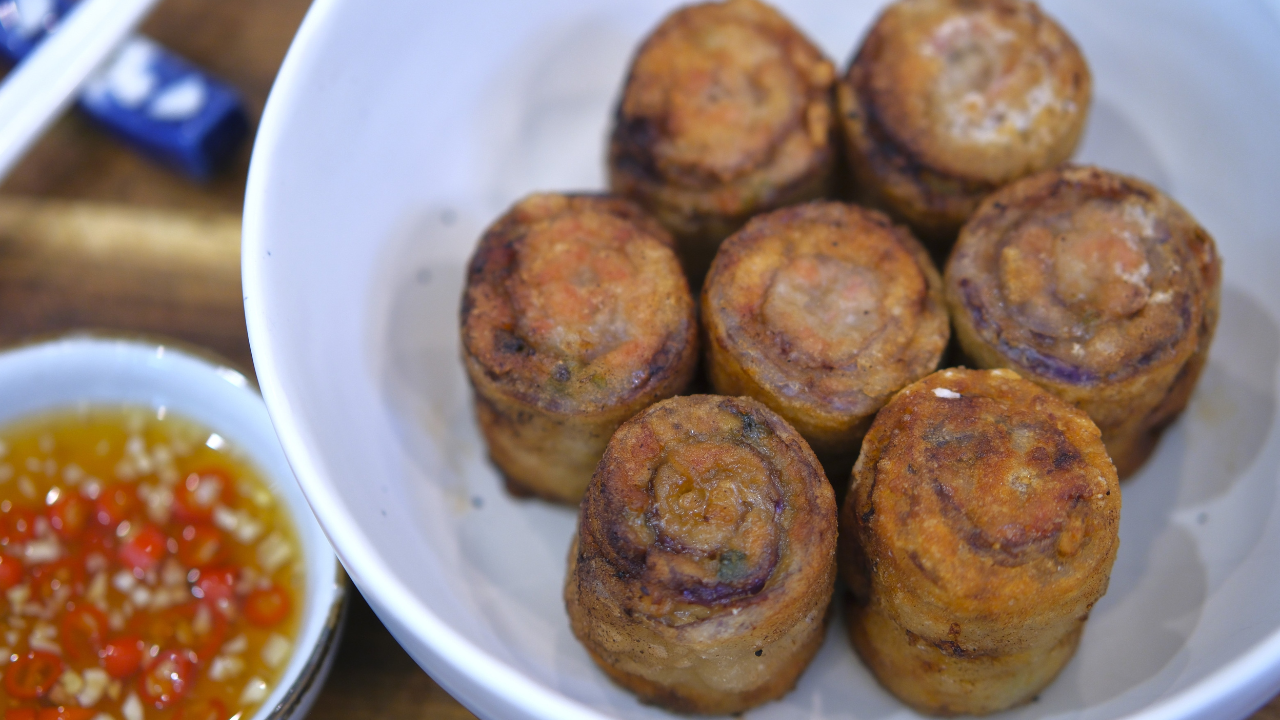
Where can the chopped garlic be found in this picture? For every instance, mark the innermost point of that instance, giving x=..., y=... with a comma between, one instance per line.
x=276, y=650
x=18, y=594
x=103, y=716
x=239, y=523
x=273, y=552
x=95, y=684
x=97, y=590
x=124, y=581
x=44, y=550
x=132, y=708
x=173, y=574
x=44, y=637
x=945, y=393
x=255, y=691
x=202, y=623
x=71, y=682
x=72, y=473
x=236, y=645
x=159, y=502
x=225, y=668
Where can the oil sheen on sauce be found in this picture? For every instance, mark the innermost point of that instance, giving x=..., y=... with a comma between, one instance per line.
x=147, y=571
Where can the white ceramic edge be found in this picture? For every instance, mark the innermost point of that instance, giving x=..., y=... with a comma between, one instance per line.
x=321, y=626
x=1239, y=687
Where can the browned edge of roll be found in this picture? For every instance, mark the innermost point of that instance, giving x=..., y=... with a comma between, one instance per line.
x=1096, y=286
x=575, y=316
x=702, y=572
x=980, y=528
x=822, y=311
x=726, y=112
x=947, y=100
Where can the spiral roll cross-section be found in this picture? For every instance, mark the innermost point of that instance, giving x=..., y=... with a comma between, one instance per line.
x=822, y=311
x=705, y=559
x=575, y=316
x=1099, y=288
x=980, y=529
x=947, y=100
x=726, y=112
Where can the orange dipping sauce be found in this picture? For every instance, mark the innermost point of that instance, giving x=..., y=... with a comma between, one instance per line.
x=146, y=571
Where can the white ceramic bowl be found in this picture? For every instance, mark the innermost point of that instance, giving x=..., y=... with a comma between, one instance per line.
x=393, y=135
x=77, y=369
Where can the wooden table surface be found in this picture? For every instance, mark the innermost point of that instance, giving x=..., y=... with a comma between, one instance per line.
x=127, y=238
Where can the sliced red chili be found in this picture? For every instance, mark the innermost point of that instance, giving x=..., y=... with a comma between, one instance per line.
x=195, y=498
x=18, y=525
x=68, y=572
x=144, y=550
x=84, y=631
x=122, y=656
x=267, y=607
x=216, y=584
x=201, y=546
x=32, y=675
x=167, y=678
x=115, y=503
x=11, y=572
x=70, y=515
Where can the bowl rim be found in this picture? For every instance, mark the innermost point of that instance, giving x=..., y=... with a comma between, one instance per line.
x=300, y=692
x=1253, y=674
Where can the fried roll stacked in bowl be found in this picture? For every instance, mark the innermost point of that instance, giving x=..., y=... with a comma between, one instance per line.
x=1099, y=288
x=822, y=311
x=979, y=530
x=726, y=112
x=947, y=100
x=575, y=316
x=705, y=557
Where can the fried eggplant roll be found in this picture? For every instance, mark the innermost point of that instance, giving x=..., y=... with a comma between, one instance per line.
x=705, y=558
x=822, y=312
x=726, y=112
x=947, y=100
x=575, y=316
x=1099, y=288
x=979, y=530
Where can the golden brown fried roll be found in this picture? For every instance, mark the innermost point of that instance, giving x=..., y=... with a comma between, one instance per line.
x=822, y=312
x=705, y=556
x=947, y=100
x=979, y=530
x=726, y=112
x=575, y=317
x=1099, y=288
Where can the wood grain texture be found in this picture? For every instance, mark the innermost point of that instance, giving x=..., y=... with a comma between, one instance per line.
x=156, y=253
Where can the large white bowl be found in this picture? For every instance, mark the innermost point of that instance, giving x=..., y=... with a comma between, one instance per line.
x=395, y=133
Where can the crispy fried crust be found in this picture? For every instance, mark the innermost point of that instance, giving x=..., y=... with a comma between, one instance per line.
x=705, y=558
x=575, y=316
x=726, y=112
x=979, y=530
x=822, y=312
x=1099, y=288
x=946, y=100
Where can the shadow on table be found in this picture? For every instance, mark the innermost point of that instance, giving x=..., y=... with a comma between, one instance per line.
x=373, y=677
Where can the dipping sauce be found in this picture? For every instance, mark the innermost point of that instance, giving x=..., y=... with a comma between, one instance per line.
x=146, y=571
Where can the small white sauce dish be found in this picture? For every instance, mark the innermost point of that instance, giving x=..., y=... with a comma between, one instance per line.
x=82, y=369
